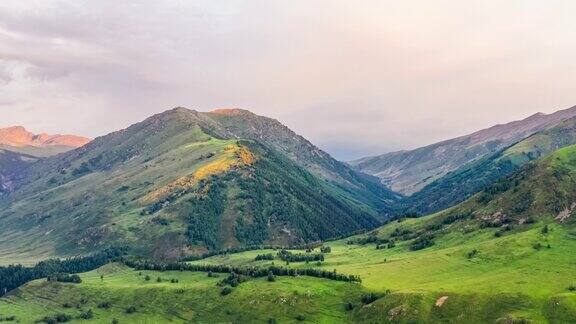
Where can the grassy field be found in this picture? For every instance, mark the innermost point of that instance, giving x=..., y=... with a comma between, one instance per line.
x=196, y=297
x=532, y=282
x=507, y=280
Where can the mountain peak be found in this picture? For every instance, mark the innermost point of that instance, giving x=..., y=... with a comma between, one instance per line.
x=18, y=136
x=231, y=111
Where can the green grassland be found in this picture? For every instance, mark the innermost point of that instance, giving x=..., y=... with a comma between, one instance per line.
x=508, y=268
x=195, y=297
x=508, y=279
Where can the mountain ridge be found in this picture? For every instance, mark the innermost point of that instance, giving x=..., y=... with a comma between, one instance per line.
x=409, y=171
x=182, y=182
x=18, y=136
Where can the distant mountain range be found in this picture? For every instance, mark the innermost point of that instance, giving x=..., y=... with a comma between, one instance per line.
x=19, y=148
x=408, y=172
x=18, y=139
x=182, y=182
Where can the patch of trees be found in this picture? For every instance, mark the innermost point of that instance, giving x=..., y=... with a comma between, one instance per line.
x=453, y=218
x=268, y=256
x=9, y=318
x=402, y=233
x=58, y=318
x=13, y=276
x=209, y=254
x=63, y=277
x=300, y=257
x=254, y=272
x=369, y=298
x=372, y=237
x=422, y=242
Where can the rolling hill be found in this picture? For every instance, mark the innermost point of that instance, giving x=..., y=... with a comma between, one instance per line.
x=183, y=182
x=410, y=171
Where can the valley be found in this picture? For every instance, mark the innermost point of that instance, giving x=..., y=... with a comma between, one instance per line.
x=180, y=186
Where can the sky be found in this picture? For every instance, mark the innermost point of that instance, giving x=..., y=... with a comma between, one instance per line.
x=356, y=78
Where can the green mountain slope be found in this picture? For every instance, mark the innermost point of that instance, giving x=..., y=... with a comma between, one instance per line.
x=11, y=164
x=459, y=185
x=177, y=184
x=504, y=255
x=409, y=171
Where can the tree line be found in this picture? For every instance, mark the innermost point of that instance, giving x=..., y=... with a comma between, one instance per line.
x=14, y=276
x=240, y=249
x=254, y=272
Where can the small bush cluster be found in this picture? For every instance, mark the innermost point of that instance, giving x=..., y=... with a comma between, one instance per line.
x=300, y=257
x=268, y=256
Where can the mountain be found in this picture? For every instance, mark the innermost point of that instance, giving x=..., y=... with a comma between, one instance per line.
x=11, y=164
x=183, y=182
x=545, y=187
x=18, y=139
x=469, y=179
x=408, y=172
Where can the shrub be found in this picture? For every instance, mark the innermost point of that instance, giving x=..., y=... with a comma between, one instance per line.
x=63, y=318
x=348, y=306
x=537, y=246
x=226, y=291
x=87, y=314
x=147, y=278
x=66, y=278
x=271, y=276
x=369, y=298
x=131, y=309
x=105, y=305
x=115, y=321
x=422, y=242
x=545, y=229
x=325, y=249
x=300, y=318
x=572, y=288
x=268, y=256
x=472, y=253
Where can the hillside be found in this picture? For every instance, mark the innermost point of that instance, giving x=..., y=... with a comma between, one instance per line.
x=11, y=164
x=159, y=187
x=462, y=183
x=408, y=172
x=503, y=256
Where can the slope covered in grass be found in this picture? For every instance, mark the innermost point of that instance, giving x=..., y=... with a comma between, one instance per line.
x=117, y=292
x=466, y=181
x=513, y=243
x=517, y=268
x=182, y=182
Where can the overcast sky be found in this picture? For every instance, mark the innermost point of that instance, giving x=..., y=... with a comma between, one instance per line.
x=355, y=77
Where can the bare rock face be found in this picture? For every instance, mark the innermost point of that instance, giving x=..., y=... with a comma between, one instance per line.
x=18, y=136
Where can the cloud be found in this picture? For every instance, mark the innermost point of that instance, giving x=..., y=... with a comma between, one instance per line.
x=356, y=78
